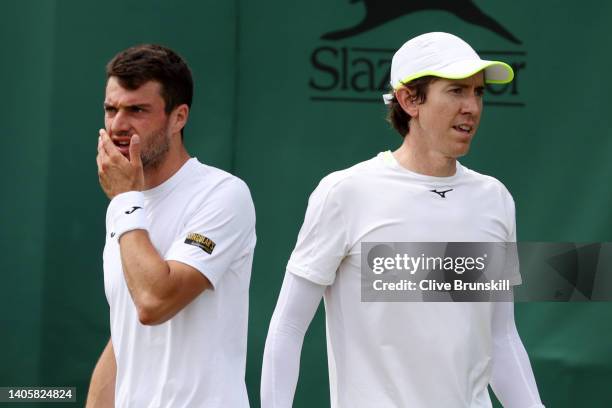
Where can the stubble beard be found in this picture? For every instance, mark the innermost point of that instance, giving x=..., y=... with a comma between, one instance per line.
x=156, y=150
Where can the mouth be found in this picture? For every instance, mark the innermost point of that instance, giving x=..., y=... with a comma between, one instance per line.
x=123, y=145
x=463, y=128
x=465, y=132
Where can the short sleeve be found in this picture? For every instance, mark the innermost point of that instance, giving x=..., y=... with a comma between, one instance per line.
x=322, y=242
x=219, y=231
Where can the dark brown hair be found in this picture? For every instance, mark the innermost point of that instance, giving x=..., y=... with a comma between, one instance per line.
x=150, y=62
x=397, y=116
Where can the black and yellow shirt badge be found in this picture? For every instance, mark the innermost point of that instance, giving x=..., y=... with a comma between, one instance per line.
x=206, y=244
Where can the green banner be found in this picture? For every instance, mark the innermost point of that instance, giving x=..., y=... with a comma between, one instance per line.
x=285, y=93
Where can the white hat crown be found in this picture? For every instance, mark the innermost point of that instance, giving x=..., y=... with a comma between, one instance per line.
x=443, y=55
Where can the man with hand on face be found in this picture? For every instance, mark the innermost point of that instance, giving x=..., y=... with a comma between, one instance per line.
x=393, y=354
x=179, y=246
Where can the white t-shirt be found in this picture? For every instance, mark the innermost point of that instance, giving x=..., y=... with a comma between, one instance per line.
x=404, y=355
x=198, y=357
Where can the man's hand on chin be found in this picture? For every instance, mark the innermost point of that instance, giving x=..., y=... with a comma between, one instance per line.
x=118, y=174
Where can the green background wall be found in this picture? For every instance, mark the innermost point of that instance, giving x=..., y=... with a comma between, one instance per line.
x=257, y=113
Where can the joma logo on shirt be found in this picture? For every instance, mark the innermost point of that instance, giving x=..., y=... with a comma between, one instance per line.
x=206, y=244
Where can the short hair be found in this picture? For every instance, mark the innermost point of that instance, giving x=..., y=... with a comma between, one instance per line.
x=397, y=116
x=151, y=62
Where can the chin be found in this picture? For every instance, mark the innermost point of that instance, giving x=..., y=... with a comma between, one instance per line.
x=460, y=151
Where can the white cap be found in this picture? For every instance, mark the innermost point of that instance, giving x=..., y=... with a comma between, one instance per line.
x=442, y=55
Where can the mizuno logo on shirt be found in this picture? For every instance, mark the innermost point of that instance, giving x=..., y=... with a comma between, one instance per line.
x=441, y=193
x=133, y=209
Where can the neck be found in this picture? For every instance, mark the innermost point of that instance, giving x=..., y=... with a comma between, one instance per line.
x=174, y=160
x=418, y=158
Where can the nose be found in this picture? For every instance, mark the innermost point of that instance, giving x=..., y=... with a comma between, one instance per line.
x=472, y=104
x=119, y=124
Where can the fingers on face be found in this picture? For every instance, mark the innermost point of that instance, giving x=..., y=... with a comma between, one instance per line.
x=102, y=155
x=107, y=146
x=98, y=159
x=101, y=137
x=135, y=150
x=103, y=158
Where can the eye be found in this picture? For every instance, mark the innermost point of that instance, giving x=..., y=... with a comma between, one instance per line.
x=480, y=92
x=110, y=109
x=457, y=90
x=136, y=109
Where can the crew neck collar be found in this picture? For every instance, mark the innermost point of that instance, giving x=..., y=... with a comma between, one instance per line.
x=173, y=181
x=389, y=160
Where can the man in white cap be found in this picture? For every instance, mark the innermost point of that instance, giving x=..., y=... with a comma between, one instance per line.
x=406, y=355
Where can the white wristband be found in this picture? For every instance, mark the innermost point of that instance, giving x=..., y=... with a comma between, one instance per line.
x=126, y=212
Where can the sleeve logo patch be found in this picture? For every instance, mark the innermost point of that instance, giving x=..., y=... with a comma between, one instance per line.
x=205, y=244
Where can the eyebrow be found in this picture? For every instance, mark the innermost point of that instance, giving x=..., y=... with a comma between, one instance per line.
x=460, y=85
x=131, y=106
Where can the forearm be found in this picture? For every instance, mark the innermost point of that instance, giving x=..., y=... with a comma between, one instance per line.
x=297, y=304
x=147, y=275
x=281, y=366
x=102, y=387
x=157, y=290
x=512, y=378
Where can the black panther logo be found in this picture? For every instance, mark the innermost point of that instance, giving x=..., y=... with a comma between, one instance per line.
x=379, y=12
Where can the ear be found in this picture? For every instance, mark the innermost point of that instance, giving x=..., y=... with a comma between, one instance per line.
x=178, y=118
x=407, y=100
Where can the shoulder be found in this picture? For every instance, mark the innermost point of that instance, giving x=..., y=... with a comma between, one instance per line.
x=205, y=177
x=339, y=182
x=214, y=187
x=487, y=183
